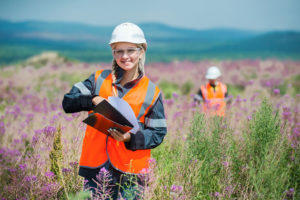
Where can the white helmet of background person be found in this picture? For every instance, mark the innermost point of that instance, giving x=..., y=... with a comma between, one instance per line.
x=128, y=32
x=213, y=73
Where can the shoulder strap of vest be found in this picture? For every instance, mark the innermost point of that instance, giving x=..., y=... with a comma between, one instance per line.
x=100, y=76
x=150, y=95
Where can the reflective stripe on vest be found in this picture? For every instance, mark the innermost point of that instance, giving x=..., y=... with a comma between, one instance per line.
x=141, y=98
x=82, y=88
x=214, y=99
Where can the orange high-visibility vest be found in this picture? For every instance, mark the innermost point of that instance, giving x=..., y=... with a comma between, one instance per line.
x=98, y=147
x=214, y=103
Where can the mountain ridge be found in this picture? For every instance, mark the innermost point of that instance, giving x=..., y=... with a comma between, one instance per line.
x=20, y=40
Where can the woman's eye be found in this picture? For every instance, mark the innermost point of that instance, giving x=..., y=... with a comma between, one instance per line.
x=130, y=51
x=120, y=52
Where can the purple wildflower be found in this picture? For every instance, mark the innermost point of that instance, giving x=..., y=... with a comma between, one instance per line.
x=30, y=178
x=276, y=91
x=217, y=194
x=176, y=115
x=38, y=131
x=75, y=115
x=24, y=136
x=68, y=118
x=49, y=130
x=176, y=188
x=49, y=174
x=104, y=184
x=2, y=128
x=250, y=82
x=54, y=119
x=66, y=170
x=73, y=164
x=226, y=164
x=175, y=95
x=23, y=167
x=152, y=160
x=173, y=188
x=249, y=117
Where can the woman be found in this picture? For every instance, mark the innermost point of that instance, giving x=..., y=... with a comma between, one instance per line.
x=127, y=155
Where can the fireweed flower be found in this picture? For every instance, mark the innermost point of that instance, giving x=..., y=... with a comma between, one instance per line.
x=66, y=170
x=104, y=184
x=169, y=102
x=175, y=95
x=145, y=171
x=75, y=115
x=68, y=118
x=287, y=114
x=152, y=160
x=49, y=174
x=23, y=167
x=276, y=91
x=30, y=178
x=53, y=107
x=176, y=188
x=73, y=164
x=217, y=194
x=54, y=119
x=49, y=130
x=250, y=82
x=249, y=117
x=173, y=188
x=226, y=164
x=29, y=117
x=24, y=136
x=253, y=97
x=176, y=115
x=238, y=99
x=2, y=128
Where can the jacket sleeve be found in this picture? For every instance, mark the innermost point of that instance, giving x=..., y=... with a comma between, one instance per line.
x=198, y=97
x=80, y=96
x=153, y=131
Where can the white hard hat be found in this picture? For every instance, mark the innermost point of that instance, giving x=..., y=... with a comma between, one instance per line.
x=128, y=32
x=213, y=73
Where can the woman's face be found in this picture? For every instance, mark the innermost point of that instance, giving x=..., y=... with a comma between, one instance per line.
x=127, y=55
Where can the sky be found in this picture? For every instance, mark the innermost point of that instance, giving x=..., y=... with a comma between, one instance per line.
x=262, y=15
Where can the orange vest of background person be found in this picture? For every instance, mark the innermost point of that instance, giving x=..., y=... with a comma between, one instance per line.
x=98, y=147
x=214, y=99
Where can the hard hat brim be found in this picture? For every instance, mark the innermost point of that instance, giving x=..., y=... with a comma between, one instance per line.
x=211, y=77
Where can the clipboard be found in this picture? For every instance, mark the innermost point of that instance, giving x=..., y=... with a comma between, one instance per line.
x=106, y=116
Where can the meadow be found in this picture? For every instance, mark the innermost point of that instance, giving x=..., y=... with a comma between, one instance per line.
x=252, y=153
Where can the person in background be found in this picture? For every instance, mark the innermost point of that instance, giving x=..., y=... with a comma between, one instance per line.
x=125, y=156
x=213, y=94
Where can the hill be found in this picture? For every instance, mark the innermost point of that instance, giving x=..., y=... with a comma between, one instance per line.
x=20, y=40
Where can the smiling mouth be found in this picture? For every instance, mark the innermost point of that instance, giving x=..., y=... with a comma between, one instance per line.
x=126, y=61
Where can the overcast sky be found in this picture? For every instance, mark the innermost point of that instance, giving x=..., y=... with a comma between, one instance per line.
x=198, y=14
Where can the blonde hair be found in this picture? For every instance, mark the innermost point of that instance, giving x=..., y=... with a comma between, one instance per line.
x=141, y=62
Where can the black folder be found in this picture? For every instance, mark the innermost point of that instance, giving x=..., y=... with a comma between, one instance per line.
x=105, y=116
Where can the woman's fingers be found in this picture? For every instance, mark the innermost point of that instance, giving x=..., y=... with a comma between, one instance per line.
x=119, y=136
x=97, y=99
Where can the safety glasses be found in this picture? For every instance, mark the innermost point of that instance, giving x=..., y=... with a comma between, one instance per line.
x=118, y=53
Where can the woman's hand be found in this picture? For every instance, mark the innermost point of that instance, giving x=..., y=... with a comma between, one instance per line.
x=97, y=99
x=117, y=135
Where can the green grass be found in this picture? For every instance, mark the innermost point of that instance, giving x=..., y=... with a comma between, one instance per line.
x=213, y=164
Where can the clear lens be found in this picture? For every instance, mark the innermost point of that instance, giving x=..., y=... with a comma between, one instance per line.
x=130, y=52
